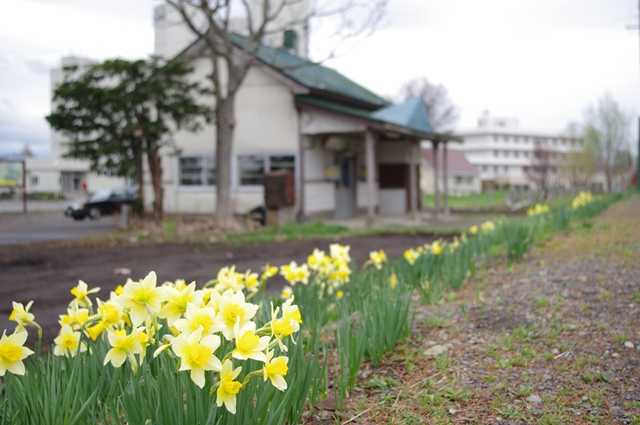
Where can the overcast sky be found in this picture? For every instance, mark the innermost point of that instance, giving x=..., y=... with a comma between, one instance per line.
x=541, y=61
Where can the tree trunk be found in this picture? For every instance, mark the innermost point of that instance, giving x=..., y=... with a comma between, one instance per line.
x=608, y=178
x=155, y=168
x=225, y=129
x=140, y=180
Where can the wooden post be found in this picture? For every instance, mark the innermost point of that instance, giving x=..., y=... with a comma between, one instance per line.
x=370, y=152
x=24, y=186
x=413, y=187
x=299, y=175
x=436, y=185
x=445, y=177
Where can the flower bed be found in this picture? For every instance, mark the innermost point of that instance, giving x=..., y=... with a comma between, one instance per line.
x=228, y=352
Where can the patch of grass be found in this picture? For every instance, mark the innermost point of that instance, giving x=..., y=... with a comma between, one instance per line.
x=288, y=232
x=320, y=230
x=442, y=362
x=591, y=377
x=542, y=303
x=494, y=199
x=436, y=322
x=523, y=391
x=381, y=383
x=636, y=297
x=169, y=228
x=620, y=338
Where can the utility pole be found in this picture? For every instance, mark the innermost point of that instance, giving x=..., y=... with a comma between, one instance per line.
x=637, y=28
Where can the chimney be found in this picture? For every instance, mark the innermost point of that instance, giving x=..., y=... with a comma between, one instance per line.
x=290, y=41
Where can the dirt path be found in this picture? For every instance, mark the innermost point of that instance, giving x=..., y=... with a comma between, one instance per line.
x=45, y=272
x=555, y=340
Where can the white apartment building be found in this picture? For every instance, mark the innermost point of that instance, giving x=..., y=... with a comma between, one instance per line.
x=504, y=153
x=56, y=174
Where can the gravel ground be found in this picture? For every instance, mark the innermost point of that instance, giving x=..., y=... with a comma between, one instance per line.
x=553, y=340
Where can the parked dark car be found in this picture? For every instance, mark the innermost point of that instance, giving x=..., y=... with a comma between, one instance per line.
x=103, y=202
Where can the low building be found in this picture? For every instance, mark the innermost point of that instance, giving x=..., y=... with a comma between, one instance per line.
x=463, y=178
x=350, y=150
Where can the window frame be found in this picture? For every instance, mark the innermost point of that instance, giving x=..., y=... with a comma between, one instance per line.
x=207, y=163
x=267, y=164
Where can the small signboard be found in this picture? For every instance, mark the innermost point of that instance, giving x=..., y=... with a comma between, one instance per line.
x=10, y=173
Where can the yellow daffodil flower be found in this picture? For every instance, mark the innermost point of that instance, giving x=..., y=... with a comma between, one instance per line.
x=177, y=300
x=317, y=259
x=13, y=352
x=234, y=311
x=228, y=387
x=436, y=248
x=195, y=318
x=123, y=346
x=275, y=370
x=488, y=227
x=142, y=299
x=292, y=312
x=378, y=258
x=410, y=256
x=67, y=343
x=229, y=279
x=473, y=230
x=96, y=330
x=75, y=317
x=339, y=294
x=196, y=353
x=268, y=272
x=393, y=281
x=249, y=345
x=21, y=314
x=286, y=293
x=110, y=312
x=294, y=273
x=81, y=293
x=251, y=281
x=340, y=252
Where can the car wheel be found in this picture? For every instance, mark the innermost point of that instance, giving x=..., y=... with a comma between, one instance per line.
x=94, y=213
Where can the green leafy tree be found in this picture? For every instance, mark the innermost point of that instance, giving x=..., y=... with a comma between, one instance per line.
x=118, y=112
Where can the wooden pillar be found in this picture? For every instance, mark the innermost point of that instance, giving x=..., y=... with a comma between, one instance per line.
x=445, y=176
x=413, y=187
x=300, y=172
x=436, y=183
x=370, y=153
x=24, y=185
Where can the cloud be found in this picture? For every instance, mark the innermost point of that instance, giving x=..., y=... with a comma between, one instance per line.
x=32, y=43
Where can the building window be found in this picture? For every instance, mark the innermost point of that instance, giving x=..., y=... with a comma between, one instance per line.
x=251, y=169
x=282, y=163
x=197, y=171
x=34, y=180
x=496, y=153
x=485, y=168
x=516, y=154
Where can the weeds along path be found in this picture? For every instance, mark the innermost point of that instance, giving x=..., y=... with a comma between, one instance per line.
x=554, y=339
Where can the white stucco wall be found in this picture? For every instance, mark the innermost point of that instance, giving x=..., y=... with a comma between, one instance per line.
x=267, y=124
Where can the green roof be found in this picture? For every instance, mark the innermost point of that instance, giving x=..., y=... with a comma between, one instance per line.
x=407, y=117
x=313, y=75
x=410, y=114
